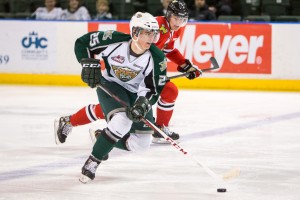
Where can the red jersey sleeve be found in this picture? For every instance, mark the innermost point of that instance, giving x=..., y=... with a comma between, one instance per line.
x=176, y=57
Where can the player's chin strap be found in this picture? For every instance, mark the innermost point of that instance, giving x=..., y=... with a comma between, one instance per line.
x=135, y=42
x=220, y=178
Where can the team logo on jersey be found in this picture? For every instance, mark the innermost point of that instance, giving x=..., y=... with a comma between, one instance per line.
x=107, y=34
x=163, y=29
x=124, y=73
x=119, y=59
x=163, y=65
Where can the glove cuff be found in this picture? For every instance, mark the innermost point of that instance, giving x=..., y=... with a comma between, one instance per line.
x=185, y=68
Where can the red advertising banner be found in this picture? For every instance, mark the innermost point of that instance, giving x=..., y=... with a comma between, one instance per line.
x=238, y=48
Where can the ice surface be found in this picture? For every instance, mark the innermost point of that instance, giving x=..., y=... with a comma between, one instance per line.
x=258, y=132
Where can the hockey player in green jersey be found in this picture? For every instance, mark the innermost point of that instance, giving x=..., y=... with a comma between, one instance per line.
x=171, y=27
x=134, y=70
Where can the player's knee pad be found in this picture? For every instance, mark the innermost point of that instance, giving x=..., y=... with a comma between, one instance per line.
x=169, y=93
x=139, y=142
x=119, y=124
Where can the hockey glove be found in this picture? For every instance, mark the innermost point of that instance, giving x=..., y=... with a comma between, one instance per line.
x=191, y=69
x=139, y=109
x=91, y=71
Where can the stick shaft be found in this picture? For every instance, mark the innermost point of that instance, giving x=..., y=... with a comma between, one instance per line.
x=213, y=61
x=182, y=150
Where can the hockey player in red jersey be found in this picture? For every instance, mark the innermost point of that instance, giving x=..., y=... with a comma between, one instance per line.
x=171, y=26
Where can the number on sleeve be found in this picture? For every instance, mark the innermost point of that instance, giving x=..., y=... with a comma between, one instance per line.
x=94, y=40
x=162, y=80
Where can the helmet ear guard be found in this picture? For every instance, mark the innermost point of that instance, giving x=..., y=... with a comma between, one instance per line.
x=135, y=31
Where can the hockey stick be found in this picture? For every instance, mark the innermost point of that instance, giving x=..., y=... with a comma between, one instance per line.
x=213, y=61
x=227, y=176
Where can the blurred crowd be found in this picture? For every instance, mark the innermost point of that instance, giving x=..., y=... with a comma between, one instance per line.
x=199, y=10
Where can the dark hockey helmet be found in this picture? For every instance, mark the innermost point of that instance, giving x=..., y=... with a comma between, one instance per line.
x=178, y=8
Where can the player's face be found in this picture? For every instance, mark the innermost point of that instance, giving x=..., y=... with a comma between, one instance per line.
x=176, y=22
x=147, y=37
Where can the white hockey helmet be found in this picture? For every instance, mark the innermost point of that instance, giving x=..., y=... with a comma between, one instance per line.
x=143, y=21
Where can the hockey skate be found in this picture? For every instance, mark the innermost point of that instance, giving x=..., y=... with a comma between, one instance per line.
x=62, y=128
x=89, y=168
x=159, y=139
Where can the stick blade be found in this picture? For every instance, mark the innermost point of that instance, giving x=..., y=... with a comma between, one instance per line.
x=233, y=173
x=214, y=62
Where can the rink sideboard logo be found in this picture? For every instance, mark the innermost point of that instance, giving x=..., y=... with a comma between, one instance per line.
x=34, y=47
x=238, y=48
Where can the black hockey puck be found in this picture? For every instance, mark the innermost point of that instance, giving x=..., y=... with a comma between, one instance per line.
x=221, y=190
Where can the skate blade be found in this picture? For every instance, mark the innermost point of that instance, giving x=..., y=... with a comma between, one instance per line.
x=56, y=125
x=162, y=141
x=84, y=179
x=93, y=135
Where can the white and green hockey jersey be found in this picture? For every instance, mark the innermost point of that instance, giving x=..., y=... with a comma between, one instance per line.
x=143, y=75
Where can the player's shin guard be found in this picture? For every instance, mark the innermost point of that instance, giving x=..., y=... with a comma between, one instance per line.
x=164, y=112
x=87, y=115
x=104, y=144
x=166, y=103
x=101, y=149
x=121, y=144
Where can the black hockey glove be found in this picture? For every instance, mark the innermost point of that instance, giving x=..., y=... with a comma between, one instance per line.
x=139, y=109
x=193, y=73
x=91, y=71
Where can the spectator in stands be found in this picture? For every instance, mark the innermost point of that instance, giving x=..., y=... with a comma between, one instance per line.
x=201, y=12
x=6, y=7
x=49, y=12
x=140, y=5
x=224, y=7
x=220, y=7
x=103, y=13
x=76, y=11
x=162, y=11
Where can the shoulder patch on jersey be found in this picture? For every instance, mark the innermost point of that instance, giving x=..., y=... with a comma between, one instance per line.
x=163, y=29
x=107, y=34
x=125, y=74
x=163, y=65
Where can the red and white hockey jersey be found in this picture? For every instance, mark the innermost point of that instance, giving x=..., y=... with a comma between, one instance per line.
x=167, y=40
